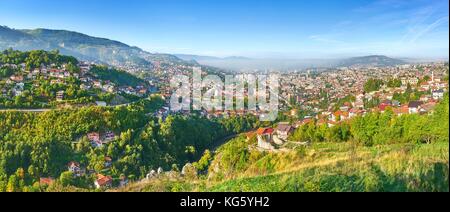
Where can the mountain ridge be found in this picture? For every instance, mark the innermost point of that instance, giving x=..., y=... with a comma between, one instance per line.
x=241, y=63
x=82, y=46
x=371, y=60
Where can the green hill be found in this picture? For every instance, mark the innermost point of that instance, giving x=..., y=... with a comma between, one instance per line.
x=81, y=46
x=330, y=167
x=380, y=153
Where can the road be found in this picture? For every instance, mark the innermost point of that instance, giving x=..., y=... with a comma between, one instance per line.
x=26, y=110
x=46, y=110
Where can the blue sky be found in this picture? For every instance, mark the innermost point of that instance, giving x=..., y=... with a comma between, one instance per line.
x=253, y=28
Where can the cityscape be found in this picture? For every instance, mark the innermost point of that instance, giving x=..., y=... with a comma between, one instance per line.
x=81, y=113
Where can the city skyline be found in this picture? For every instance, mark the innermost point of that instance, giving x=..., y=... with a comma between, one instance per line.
x=260, y=29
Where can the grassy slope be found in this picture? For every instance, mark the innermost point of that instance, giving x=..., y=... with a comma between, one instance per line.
x=330, y=167
x=392, y=168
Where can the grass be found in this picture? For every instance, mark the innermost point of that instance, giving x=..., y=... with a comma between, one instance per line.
x=330, y=167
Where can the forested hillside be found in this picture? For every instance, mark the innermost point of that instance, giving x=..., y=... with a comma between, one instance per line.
x=117, y=77
x=37, y=145
x=41, y=79
x=377, y=152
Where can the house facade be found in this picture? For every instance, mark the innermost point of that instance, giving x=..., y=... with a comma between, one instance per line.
x=265, y=138
x=284, y=130
x=103, y=181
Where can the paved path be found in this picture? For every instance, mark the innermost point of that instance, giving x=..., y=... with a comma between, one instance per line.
x=26, y=110
x=46, y=110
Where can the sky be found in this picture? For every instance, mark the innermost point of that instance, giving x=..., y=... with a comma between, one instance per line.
x=253, y=28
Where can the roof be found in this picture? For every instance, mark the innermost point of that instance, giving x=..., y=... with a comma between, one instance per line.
x=284, y=127
x=93, y=134
x=341, y=113
x=73, y=163
x=383, y=107
x=264, y=131
x=306, y=121
x=250, y=134
x=355, y=110
x=103, y=180
x=322, y=121
x=46, y=181
x=415, y=104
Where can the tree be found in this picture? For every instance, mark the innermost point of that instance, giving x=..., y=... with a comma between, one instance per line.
x=66, y=178
x=373, y=85
x=13, y=184
x=203, y=163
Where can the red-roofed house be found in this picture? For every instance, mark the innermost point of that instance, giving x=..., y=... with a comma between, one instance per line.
x=46, y=180
x=265, y=138
x=103, y=181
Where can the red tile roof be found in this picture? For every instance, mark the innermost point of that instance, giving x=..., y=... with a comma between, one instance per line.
x=46, y=181
x=265, y=131
x=103, y=180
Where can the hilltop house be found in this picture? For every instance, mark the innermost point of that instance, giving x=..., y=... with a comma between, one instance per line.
x=284, y=130
x=414, y=107
x=265, y=138
x=76, y=169
x=339, y=116
x=109, y=136
x=94, y=138
x=103, y=181
x=60, y=96
x=97, y=140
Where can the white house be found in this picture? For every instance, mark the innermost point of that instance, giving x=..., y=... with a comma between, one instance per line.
x=439, y=94
x=265, y=138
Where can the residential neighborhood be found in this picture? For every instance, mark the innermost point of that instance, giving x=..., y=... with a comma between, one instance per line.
x=58, y=85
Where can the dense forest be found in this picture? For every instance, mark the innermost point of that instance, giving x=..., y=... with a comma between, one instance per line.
x=35, y=145
x=117, y=77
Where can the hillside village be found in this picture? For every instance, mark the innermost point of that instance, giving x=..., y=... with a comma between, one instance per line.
x=50, y=85
x=335, y=96
x=418, y=90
